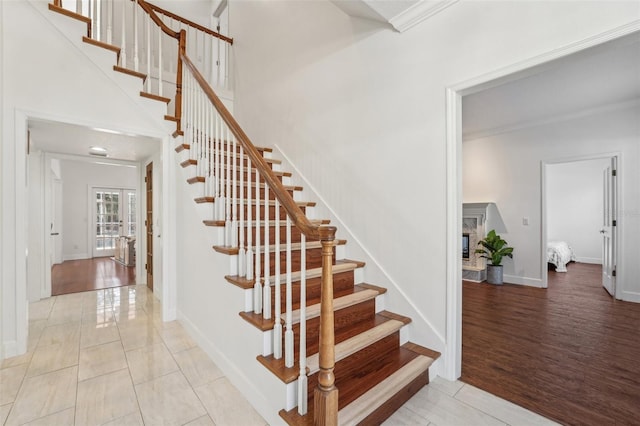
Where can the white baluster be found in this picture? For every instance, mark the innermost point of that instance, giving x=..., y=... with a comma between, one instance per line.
x=79, y=7
x=288, y=334
x=98, y=21
x=249, y=225
x=234, y=196
x=136, y=61
x=257, y=287
x=123, y=39
x=302, y=378
x=242, y=265
x=266, y=298
x=148, y=81
x=277, y=328
x=216, y=172
x=220, y=200
x=110, y=21
x=227, y=192
x=159, y=61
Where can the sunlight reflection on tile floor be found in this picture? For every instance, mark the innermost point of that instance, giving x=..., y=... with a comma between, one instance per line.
x=106, y=358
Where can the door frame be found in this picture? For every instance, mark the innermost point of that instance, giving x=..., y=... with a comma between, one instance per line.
x=452, y=358
x=543, y=212
x=92, y=213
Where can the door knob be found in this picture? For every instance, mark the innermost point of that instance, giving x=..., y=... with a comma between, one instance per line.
x=602, y=231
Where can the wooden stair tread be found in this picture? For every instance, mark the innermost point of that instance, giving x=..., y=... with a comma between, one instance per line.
x=272, y=223
x=70, y=14
x=155, y=97
x=288, y=375
x=187, y=146
x=366, y=404
x=379, y=380
x=244, y=157
x=340, y=266
x=313, y=311
x=272, y=248
x=171, y=118
x=201, y=200
x=102, y=44
x=201, y=179
x=189, y=162
x=130, y=72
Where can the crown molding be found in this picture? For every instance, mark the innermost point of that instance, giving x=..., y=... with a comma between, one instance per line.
x=418, y=13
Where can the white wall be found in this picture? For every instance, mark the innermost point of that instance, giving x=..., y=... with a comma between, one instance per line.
x=506, y=169
x=46, y=76
x=574, y=194
x=78, y=177
x=360, y=110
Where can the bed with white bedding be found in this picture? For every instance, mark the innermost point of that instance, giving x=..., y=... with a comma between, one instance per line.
x=560, y=253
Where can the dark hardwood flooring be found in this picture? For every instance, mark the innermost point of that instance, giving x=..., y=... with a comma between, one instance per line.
x=74, y=276
x=570, y=352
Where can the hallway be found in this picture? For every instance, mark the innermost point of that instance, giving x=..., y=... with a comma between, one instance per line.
x=73, y=276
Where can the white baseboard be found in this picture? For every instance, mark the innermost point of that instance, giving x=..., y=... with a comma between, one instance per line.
x=514, y=279
x=593, y=260
x=9, y=349
x=631, y=296
x=81, y=256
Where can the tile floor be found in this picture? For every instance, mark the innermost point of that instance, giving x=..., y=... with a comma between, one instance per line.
x=106, y=358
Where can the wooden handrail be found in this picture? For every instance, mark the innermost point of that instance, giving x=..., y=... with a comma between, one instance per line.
x=190, y=23
x=149, y=9
x=319, y=232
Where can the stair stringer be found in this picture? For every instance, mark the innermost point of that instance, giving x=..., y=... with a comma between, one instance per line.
x=420, y=330
x=208, y=307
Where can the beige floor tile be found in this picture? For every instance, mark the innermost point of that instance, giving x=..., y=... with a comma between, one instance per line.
x=98, y=334
x=126, y=317
x=202, y=421
x=66, y=315
x=35, y=331
x=134, y=419
x=169, y=400
x=101, y=359
x=98, y=316
x=16, y=360
x=94, y=300
x=226, y=405
x=40, y=310
x=53, y=357
x=176, y=338
x=63, y=333
x=197, y=367
x=150, y=362
x=105, y=398
x=61, y=418
x=68, y=301
x=43, y=395
x=138, y=336
x=499, y=408
x=4, y=412
x=442, y=409
x=405, y=417
x=446, y=386
x=10, y=382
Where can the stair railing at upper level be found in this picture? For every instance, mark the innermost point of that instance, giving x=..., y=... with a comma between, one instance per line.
x=149, y=39
x=250, y=203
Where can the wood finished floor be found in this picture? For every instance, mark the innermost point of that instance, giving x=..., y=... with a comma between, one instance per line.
x=569, y=352
x=74, y=276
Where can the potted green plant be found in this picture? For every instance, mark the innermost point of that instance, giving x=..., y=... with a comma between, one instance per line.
x=494, y=248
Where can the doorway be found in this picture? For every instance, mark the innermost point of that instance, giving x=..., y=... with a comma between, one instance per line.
x=149, y=224
x=114, y=215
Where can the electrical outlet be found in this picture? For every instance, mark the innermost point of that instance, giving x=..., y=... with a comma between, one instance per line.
x=525, y=221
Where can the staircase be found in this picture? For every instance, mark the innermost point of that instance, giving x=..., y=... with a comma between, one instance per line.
x=322, y=325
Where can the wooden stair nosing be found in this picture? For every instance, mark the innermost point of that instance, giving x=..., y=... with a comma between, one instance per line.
x=187, y=163
x=272, y=249
x=272, y=223
x=171, y=118
x=177, y=133
x=339, y=267
x=202, y=179
x=201, y=200
x=356, y=343
x=313, y=311
x=267, y=160
x=375, y=397
x=70, y=14
x=182, y=147
x=195, y=179
x=155, y=97
x=103, y=45
x=130, y=72
x=258, y=148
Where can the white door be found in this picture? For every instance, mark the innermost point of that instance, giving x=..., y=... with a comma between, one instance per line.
x=608, y=230
x=114, y=215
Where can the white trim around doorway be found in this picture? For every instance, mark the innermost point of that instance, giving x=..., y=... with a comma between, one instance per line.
x=452, y=367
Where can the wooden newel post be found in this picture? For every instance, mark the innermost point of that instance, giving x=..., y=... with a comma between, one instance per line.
x=326, y=394
x=182, y=49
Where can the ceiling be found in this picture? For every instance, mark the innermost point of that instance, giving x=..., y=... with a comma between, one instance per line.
x=62, y=138
x=603, y=77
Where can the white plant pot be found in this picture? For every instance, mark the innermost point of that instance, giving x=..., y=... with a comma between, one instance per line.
x=494, y=274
